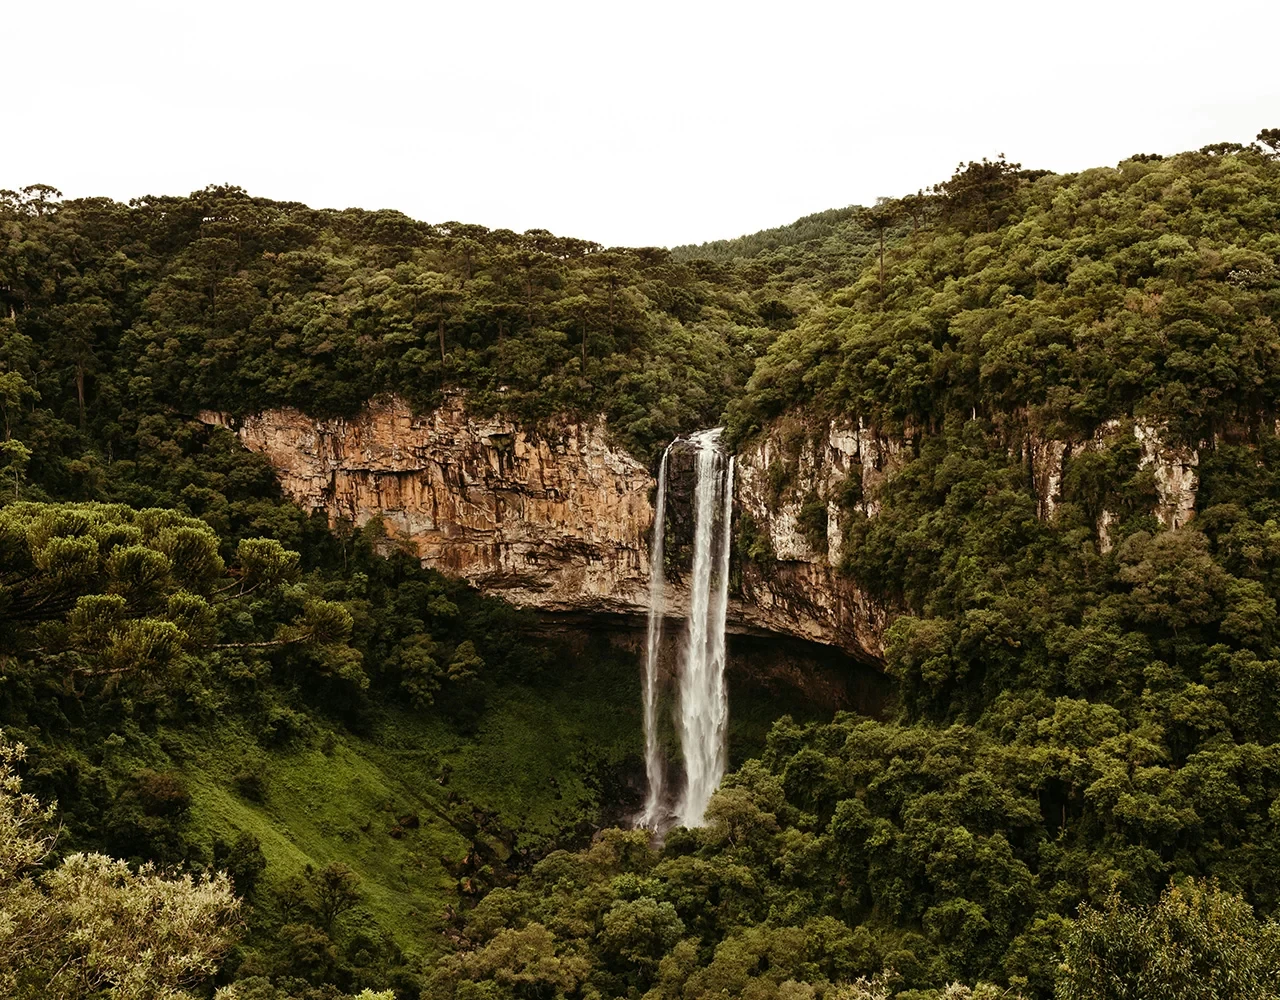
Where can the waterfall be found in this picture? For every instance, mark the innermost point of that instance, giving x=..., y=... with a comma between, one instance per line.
x=704, y=699
x=703, y=694
x=654, y=764
x=703, y=715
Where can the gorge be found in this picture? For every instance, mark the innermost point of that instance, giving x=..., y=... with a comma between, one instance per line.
x=375, y=563
x=559, y=519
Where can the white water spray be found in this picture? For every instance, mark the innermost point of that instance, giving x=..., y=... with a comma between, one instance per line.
x=703, y=715
x=654, y=764
x=704, y=699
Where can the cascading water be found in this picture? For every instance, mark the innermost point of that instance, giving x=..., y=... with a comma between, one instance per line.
x=704, y=699
x=703, y=716
x=654, y=764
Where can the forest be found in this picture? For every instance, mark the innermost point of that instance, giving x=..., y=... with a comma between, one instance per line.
x=248, y=754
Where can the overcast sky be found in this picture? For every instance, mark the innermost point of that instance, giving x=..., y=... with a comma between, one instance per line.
x=649, y=123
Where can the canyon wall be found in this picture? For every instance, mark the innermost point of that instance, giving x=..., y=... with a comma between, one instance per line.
x=798, y=484
x=554, y=518
x=557, y=519
x=1173, y=471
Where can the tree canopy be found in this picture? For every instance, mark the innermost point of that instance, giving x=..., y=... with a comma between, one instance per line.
x=408, y=786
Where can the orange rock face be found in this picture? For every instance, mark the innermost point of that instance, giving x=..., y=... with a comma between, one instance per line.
x=555, y=519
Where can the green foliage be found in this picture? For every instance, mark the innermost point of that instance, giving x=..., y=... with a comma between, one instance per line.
x=1062, y=300
x=945, y=854
x=106, y=591
x=1088, y=703
x=754, y=542
x=92, y=926
x=180, y=663
x=234, y=303
x=813, y=521
x=810, y=232
x=1197, y=942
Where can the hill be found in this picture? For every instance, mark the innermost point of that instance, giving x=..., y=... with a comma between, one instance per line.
x=1086, y=704
x=809, y=229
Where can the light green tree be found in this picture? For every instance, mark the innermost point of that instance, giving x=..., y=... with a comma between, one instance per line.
x=1199, y=942
x=93, y=926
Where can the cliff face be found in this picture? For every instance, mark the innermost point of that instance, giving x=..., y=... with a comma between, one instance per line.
x=554, y=519
x=1173, y=471
x=800, y=482
x=558, y=520
x=797, y=484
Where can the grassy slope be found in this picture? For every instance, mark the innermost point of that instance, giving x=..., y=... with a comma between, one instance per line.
x=546, y=762
x=535, y=761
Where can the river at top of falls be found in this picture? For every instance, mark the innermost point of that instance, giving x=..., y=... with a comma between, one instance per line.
x=703, y=710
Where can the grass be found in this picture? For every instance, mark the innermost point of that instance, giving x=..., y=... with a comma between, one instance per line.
x=534, y=773
x=427, y=807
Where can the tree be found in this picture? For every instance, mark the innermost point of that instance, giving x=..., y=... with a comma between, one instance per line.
x=977, y=195
x=637, y=933
x=82, y=322
x=336, y=889
x=1270, y=137
x=441, y=296
x=93, y=924
x=14, y=393
x=130, y=592
x=880, y=217
x=917, y=206
x=14, y=458
x=1199, y=942
x=527, y=962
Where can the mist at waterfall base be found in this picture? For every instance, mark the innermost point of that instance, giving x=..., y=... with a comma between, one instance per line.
x=703, y=700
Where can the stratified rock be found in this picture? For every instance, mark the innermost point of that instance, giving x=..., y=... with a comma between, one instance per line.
x=554, y=519
x=557, y=519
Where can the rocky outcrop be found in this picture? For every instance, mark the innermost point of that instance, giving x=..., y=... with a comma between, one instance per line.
x=554, y=519
x=802, y=480
x=798, y=485
x=1174, y=471
x=1175, y=474
x=558, y=519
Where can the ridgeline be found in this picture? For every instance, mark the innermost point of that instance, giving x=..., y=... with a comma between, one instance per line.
x=405, y=780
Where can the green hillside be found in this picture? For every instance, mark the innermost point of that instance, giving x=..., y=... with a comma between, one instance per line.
x=809, y=232
x=404, y=781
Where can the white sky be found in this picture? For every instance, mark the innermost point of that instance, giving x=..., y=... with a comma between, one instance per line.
x=652, y=123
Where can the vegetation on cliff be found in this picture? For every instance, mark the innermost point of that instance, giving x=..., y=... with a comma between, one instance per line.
x=1079, y=786
x=1147, y=289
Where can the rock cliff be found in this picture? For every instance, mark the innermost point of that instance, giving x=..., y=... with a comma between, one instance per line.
x=557, y=519
x=798, y=484
x=554, y=519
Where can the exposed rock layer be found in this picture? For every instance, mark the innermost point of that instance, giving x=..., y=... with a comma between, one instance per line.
x=559, y=520
x=554, y=519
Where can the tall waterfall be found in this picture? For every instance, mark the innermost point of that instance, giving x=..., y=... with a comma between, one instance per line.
x=704, y=699
x=655, y=767
x=703, y=717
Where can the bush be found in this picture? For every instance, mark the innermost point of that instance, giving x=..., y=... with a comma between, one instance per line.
x=1198, y=943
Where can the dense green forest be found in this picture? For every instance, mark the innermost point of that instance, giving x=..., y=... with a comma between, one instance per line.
x=355, y=774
